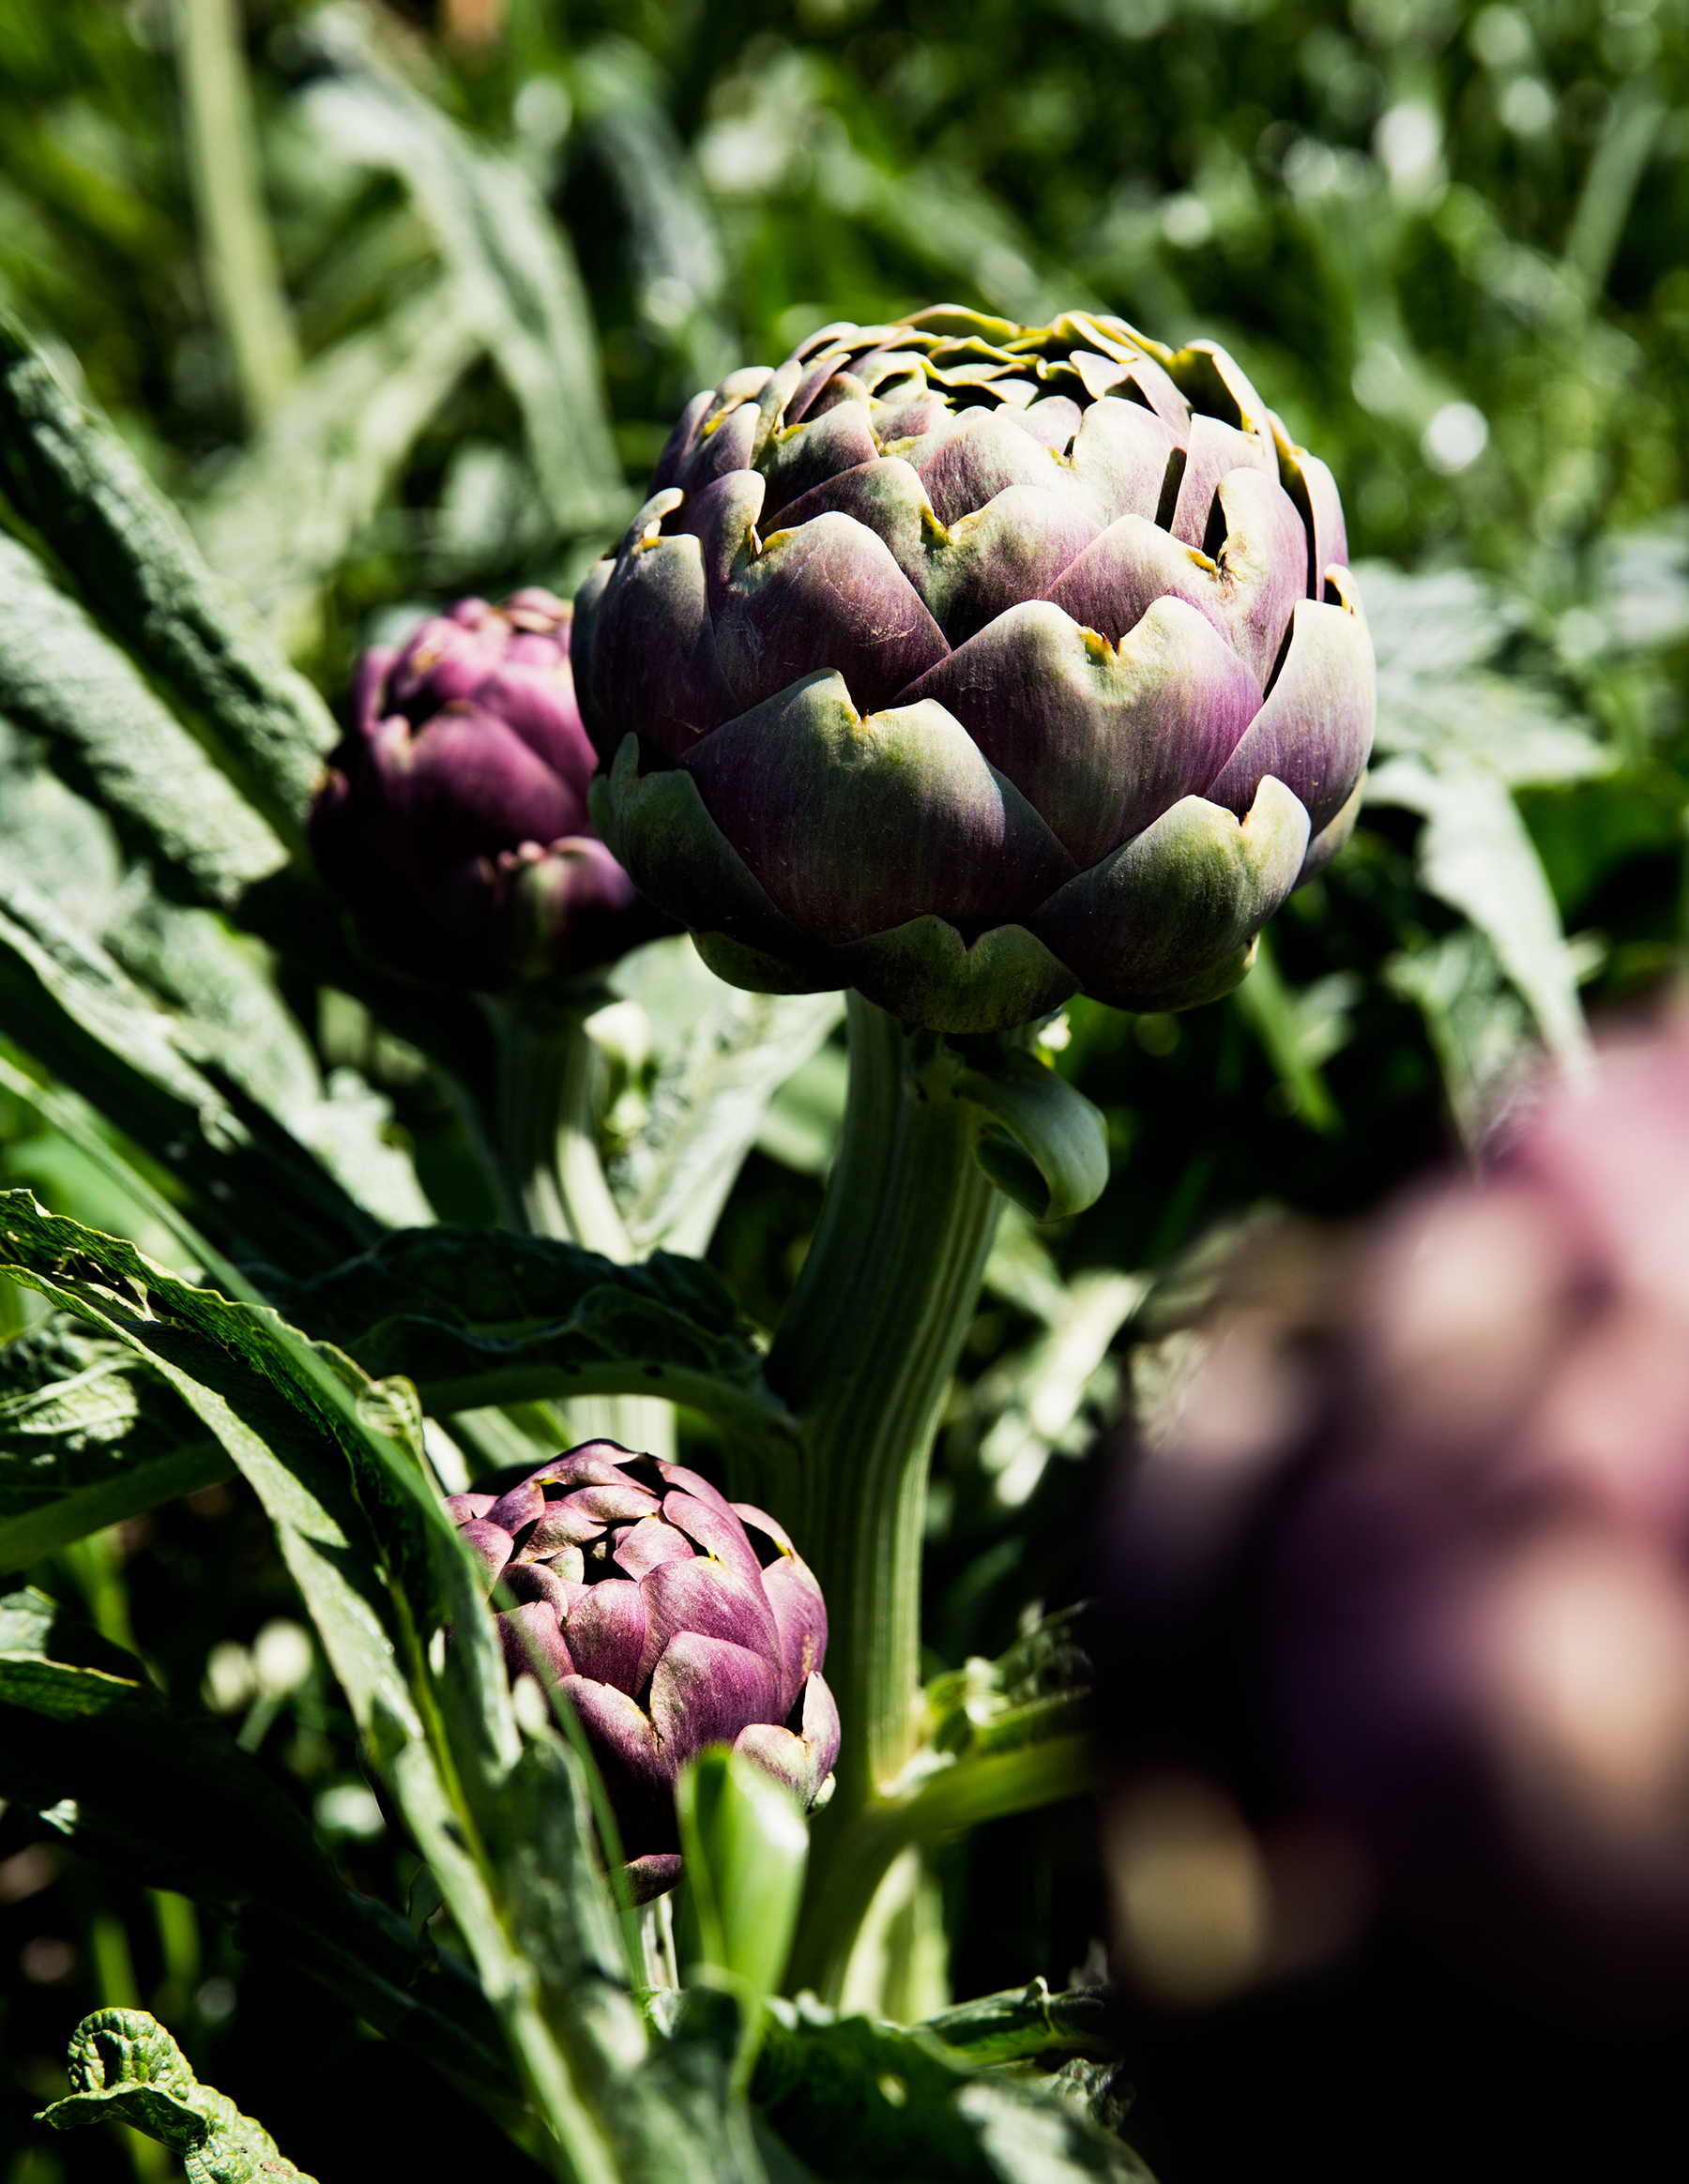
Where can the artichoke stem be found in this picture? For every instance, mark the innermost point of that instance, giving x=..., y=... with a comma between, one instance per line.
x=866, y=1354
x=551, y=1181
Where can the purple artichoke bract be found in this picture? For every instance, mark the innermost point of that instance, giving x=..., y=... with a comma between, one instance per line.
x=1434, y=1515
x=975, y=665
x=673, y=1619
x=453, y=819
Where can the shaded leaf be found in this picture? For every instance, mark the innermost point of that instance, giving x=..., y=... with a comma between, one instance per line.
x=88, y=1437
x=1476, y=854
x=712, y=1090
x=1476, y=1023
x=169, y=1799
x=858, y=2100
x=478, y=1316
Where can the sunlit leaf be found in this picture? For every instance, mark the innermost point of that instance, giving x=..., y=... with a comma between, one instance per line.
x=112, y=738
x=130, y=555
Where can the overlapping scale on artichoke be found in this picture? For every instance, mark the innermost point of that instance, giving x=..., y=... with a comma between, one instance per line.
x=976, y=665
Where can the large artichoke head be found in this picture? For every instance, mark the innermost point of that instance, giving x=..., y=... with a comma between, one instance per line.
x=977, y=665
x=673, y=1619
x=452, y=821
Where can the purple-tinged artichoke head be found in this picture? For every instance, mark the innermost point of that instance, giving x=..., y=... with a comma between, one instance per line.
x=977, y=665
x=1421, y=1532
x=453, y=821
x=673, y=1619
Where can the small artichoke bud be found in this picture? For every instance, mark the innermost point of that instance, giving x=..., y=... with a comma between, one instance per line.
x=672, y=1618
x=1415, y=1553
x=453, y=820
x=977, y=665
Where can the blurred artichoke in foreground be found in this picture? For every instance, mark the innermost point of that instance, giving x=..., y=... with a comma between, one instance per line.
x=1416, y=1550
x=453, y=820
x=672, y=1618
x=974, y=666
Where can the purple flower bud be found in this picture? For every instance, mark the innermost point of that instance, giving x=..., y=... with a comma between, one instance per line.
x=453, y=819
x=1416, y=1553
x=672, y=1618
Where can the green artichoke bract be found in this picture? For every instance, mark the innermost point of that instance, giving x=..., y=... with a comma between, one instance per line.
x=977, y=665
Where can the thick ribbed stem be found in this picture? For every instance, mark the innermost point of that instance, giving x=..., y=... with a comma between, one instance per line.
x=552, y=1183
x=866, y=1354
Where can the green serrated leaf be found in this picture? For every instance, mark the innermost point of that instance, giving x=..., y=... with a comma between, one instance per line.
x=112, y=738
x=137, y=567
x=125, y=2068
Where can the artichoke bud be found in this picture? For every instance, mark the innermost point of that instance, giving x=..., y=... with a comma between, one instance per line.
x=671, y=1618
x=452, y=821
x=977, y=665
x=1410, y=1571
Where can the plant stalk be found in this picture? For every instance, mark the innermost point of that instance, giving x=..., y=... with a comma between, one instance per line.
x=551, y=1181
x=240, y=254
x=865, y=1353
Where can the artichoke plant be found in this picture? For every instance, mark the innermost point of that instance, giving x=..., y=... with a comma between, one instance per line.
x=672, y=1618
x=976, y=665
x=452, y=821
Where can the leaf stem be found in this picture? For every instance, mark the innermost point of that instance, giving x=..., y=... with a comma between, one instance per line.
x=550, y=1179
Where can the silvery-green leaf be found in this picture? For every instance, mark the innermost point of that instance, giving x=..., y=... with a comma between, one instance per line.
x=1477, y=1024
x=110, y=735
x=284, y=515
x=1641, y=587
x=1474, y=852
x=1048, y=1397
x=132, y=559
x=1441, y=699
x=714, y=1086
x=802, y=1127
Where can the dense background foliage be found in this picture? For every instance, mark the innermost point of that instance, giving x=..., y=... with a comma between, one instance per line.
x=1445, y=242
